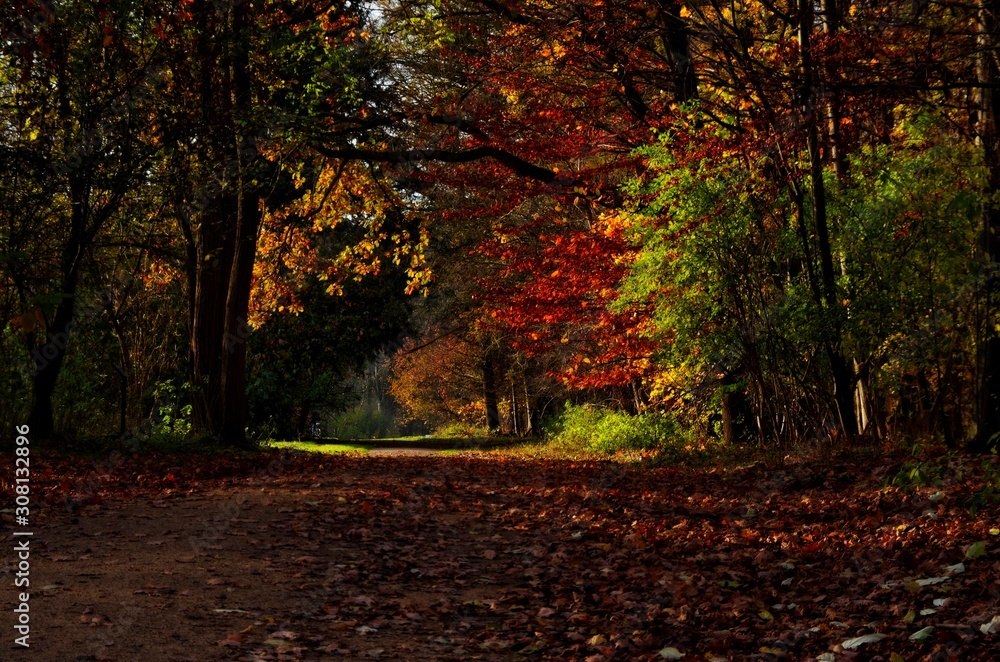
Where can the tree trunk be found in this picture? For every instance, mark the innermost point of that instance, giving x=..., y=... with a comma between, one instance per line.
x=735, y=412
x=490, y=395
x=530, y=407
x=47, y=361
x=831, y=24
x=678, y=43
x=843, y=374
x=226, y=241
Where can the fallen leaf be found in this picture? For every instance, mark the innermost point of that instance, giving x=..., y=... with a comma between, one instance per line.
x=975, y=550
x=992, y=627
x=234, y=639
x=851, y=644
x=931, y=581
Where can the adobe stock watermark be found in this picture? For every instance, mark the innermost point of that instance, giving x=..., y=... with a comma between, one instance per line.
x=22, y=537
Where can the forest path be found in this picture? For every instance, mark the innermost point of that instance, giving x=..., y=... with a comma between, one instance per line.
x=402, y=451
x=461, y=557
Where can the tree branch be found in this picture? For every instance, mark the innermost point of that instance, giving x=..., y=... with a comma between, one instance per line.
x=508, y=160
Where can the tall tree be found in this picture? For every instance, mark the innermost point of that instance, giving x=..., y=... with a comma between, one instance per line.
x=252, y=85
x=988, y=75
x=85, y=70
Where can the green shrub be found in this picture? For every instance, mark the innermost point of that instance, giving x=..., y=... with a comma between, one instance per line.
x=597, y=430
x=916, y=474
x=463, y=430
x=172, y=417
x=168, y=427
x=361, y=422
x=989, y=493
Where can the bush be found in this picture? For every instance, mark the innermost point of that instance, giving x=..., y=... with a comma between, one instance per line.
x=597, y=430
x=361, y=422
x=462, y=430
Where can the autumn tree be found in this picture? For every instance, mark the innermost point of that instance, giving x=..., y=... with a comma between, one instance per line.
x=250, y=90
x=756, y=89
x=710, y=208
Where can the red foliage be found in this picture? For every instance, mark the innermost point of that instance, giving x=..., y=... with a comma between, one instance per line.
x=553, y=295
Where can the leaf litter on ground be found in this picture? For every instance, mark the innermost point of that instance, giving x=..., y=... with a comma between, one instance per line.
x=486, y=557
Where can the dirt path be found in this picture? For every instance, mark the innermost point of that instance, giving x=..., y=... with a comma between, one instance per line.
x=402, y=451
x=205, y=576
x=457, y=558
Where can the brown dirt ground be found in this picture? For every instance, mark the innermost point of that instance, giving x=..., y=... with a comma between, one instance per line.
x=171, y=578
x=288, y=556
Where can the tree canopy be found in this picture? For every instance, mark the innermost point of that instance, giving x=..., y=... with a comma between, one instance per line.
x=771, y=222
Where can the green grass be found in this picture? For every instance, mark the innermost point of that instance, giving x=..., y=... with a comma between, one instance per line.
x=311, y=447
x=681, y=452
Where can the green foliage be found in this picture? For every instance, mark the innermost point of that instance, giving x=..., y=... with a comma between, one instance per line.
x=14, y=384
x=932, y=468
x=300, y=363
x=171, y=415
x=86, y=396
x=729, y=262
x=462, y=430
x=596, y=430
x=712, y=237
x=909, y=215
x=917, y=473
x=313, y=73
x=989, y=493
x=168, y=427
x=360, y=422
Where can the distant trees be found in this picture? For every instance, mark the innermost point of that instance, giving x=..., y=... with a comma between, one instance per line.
x=777, y=215
x=775, y=134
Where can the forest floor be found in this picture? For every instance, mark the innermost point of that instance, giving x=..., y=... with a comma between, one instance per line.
x=283, y=556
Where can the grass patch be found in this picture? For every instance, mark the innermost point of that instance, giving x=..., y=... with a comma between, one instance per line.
x=588, y=432
x=462, y=430
x=313, y=447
